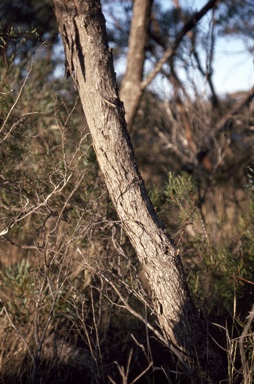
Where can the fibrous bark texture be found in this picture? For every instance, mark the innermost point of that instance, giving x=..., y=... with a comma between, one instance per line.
x=82, y=27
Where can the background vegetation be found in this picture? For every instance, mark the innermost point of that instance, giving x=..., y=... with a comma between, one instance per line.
x=74, y=304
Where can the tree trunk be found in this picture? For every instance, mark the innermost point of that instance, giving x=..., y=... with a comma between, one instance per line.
x=82, y=27
x=130, y=91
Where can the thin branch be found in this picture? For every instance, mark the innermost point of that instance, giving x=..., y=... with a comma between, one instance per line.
x=241, y=346
x=131, y=310
x=223, y=125
x=57, y=189
x=20, y=92
x=17, y=99
x=242, y=279
x=14, y=125
x=18, y=333
x=171, y=50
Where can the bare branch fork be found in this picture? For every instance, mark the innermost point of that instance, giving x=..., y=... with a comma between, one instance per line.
x=171, y=50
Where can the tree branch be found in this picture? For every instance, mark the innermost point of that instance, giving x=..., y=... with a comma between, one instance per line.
x=171, y=50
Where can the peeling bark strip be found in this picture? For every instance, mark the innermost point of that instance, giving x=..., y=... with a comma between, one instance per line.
x=82, y=27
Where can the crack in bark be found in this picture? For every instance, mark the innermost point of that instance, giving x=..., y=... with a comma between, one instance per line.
x=116, y=158
x=79, y=50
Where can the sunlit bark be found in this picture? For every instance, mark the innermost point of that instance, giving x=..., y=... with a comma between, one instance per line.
x=82, y=27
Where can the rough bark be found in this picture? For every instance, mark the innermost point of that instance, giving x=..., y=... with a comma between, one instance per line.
x=130, y=91
x=82, y=27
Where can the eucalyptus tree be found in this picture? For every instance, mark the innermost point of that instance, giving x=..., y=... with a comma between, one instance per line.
x=89, y=61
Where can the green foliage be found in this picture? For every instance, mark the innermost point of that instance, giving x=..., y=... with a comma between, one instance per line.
x=54, y=204
x=218, y=276
x=67, y=269
x=181, y=192
x=18, y=283
x=30, y=15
